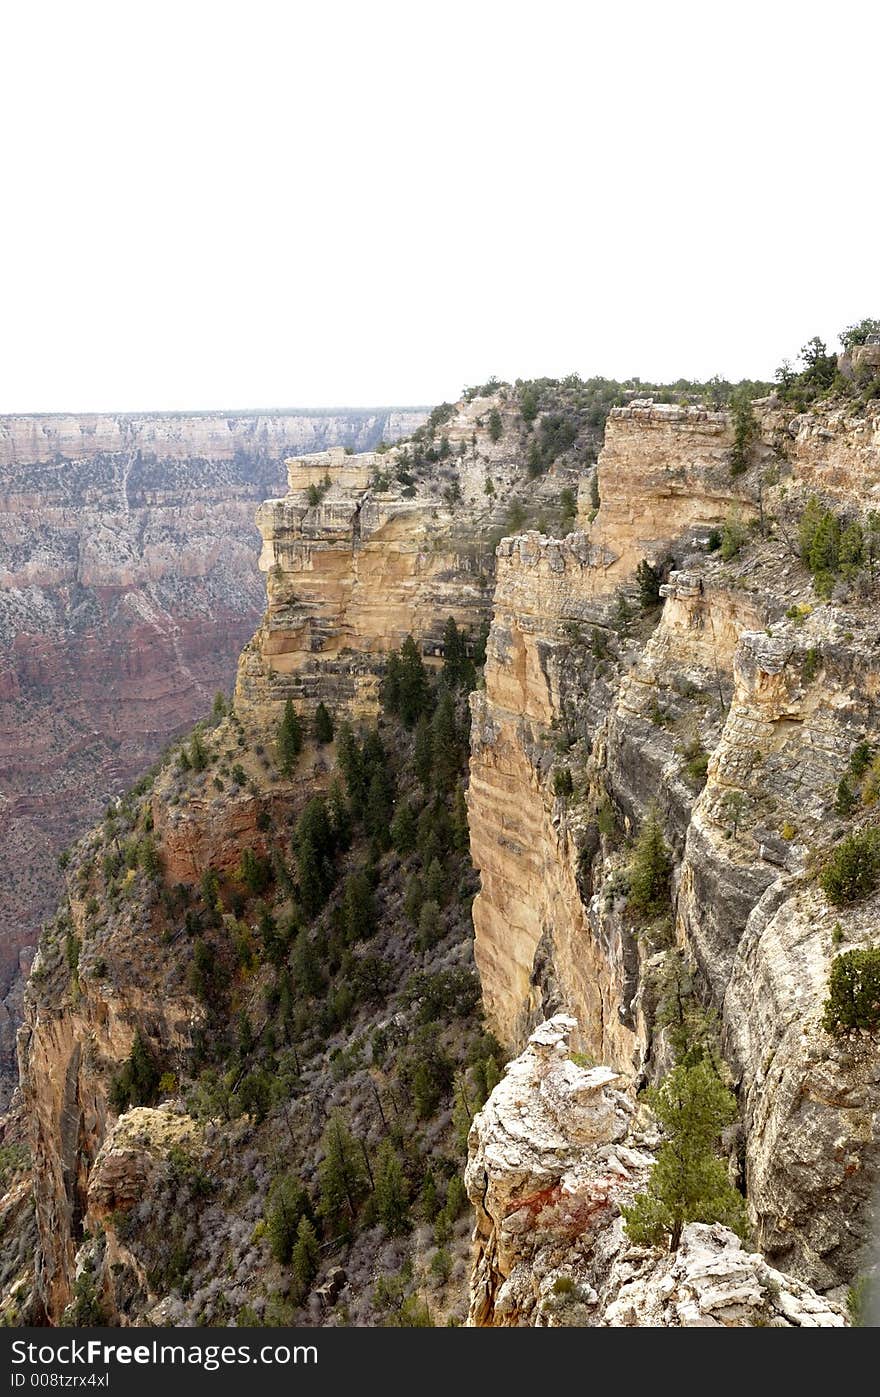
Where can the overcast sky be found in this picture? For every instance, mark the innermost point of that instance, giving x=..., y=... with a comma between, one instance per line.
x=286, y=204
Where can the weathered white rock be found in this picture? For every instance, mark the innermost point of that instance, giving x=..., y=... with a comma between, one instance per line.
x=552, y=1156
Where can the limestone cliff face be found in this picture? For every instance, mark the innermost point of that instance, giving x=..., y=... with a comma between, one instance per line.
x=552, y=1157
x=732, y=713
x=127, y=589
x=554, y=663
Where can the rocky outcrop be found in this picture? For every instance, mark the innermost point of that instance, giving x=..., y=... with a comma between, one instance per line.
x=731, y=712
x=552, y=1156
x=128, y=587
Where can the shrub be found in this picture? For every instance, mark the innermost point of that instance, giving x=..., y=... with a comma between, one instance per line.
x=853, y=869
x=853, y=1002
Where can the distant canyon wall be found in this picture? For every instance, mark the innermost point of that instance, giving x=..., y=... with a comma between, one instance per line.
x=128, y=587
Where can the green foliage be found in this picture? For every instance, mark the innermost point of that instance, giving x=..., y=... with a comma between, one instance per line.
x=688, y=1182
x=852, y=870
x=830, y=547
x=563, y=785
x=255, y=872
x=812, y=664
x=305, y=1257
x=458, y=667
x=290, y=739
x=858, y=333
x=496, y=426
x=648, y=579
x=341, y=1176
x=323, y=724
x=358, y=909
x=745, y=432
x=733, y=536
x=392, y=1191
x=650, y=869
x=853, y=1003
x=405, y=690
x=137, y=1082
x=556, y=434
x=288, y=1205
x=219, y=708
x=198, y=754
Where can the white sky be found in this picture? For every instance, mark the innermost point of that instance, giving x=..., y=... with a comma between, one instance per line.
x=286, y=204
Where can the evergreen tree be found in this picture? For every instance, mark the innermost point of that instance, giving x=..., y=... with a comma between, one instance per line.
x=414, y=689
x=351, y=764
x=305, y=1257
x=430, y=926
x=341, y=1175
x=377, y=815
x=650, y=869
x=323, y=724
x=340, y=817
x=359, y=909
x=305, y=966
x=423, y=751
x=218, y=709
x=198, y=754
x=853, y=1002
x=688, y=1182
x=479, y=655
x=413, y=898
x=290, y=739
x=288, y=1205
x=403, y=828
x=392, y=1191
x=254, y=871
x=648, y=580
x=496, y=426
x=454, y=654
x=183, y=760
x=444, y=738
x=435, y=883
x=389, y=690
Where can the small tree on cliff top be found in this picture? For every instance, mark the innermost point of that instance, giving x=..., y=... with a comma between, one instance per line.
x=688, y=1182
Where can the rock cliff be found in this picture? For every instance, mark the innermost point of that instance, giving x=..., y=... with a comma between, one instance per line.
x=552, y=1156
x=730, y=711
x=127, y=590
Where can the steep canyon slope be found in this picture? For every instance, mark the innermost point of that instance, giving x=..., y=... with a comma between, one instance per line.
x=127, y=589
x=662, y=658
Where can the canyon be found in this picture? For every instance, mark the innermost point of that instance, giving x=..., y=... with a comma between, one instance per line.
x=659, y=655
x=127, y=589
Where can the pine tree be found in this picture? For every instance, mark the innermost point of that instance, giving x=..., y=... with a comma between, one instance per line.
x=198, y=754
x=414, y=689
x=413, y=898
x=305, y=1257
x=454, y=654
x=323, y=724
x=435, y=883
x=392, y=1191
x=288, y=1205
x=444, y=738
x=688, y=1182
x=403, y=828
x=377, y=815
x=340, y=817
x=389, y=690
x=423, y=751
x=650, y=869
x=290, y=739
x=358, y=909
x=351, y=764
x=341, y=1172
x=218, y=709
x=306, y=966
x=430, y=926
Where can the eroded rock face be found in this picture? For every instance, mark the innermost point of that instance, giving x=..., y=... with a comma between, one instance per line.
x=552, y=1156
x=732, y=713
x=128, y=587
